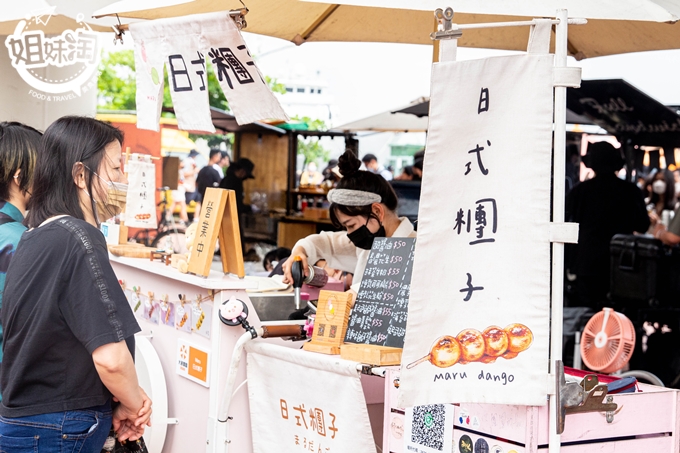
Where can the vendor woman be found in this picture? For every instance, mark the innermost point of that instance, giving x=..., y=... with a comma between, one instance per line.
x=364, y=206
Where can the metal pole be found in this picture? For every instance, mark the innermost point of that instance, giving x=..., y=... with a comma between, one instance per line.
x=523, y=23
x=558, y=217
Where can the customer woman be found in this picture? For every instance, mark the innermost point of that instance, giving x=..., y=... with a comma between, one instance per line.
x=18, y=145
x=364, y=206
x=663, y=196
x=69, y=331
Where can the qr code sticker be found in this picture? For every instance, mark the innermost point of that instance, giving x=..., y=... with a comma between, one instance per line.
x=428, y=426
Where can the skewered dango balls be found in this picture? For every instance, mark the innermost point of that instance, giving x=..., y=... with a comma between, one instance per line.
x=495, y=341
x=519, y=337
x=472, y=345
x=445, y=352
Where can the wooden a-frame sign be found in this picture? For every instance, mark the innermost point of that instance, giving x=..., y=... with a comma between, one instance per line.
x=219, y=217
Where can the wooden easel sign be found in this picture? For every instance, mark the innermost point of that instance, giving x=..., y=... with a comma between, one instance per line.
x=219, y=218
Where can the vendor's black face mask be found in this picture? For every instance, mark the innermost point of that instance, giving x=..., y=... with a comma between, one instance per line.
x=363, y=238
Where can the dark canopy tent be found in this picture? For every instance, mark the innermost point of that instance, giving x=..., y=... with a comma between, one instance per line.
x=626, y=112
x=633, y=117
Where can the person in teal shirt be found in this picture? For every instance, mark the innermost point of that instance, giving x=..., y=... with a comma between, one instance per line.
x=18, y=150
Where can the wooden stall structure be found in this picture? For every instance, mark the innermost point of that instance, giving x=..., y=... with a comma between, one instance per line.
x=275, y=157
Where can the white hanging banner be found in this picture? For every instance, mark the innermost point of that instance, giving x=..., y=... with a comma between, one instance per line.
x=478, y=321
x=140, y=204
x=182, y=44
x=300, y=401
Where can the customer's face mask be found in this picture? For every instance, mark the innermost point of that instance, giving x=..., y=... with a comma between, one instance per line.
x=114, y=203
x=363, y=238
x=659, y=187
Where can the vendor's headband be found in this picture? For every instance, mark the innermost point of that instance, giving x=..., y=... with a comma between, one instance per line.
x=349, y=197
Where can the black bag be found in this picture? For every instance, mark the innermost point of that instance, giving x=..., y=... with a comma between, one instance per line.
x=112, y=445
x=636, y=268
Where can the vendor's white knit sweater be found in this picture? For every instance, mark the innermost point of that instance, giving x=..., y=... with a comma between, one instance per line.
x=340, y=253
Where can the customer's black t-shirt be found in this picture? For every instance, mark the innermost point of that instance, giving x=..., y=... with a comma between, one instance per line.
x=61, y=302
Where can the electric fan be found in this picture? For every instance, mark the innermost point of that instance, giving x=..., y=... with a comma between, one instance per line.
x=608, y=341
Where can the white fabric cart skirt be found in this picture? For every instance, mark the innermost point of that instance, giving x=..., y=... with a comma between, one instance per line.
x=305, y=401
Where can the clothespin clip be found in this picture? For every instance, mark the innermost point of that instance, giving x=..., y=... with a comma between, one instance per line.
x=211, y=294
x=182, y=299
x=201, y=317
x=150, y=293
x=239, y=16
x=118, y=32
x=137, y=290
x=445, y=29
x=122, y=284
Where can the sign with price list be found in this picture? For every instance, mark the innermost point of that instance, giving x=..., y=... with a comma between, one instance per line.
x=380, y=312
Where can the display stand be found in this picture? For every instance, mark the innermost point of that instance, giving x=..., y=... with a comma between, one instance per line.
x=219, y=217
x=371, y=354
x=330, y=325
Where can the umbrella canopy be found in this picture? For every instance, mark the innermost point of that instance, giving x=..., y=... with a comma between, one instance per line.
x=422, y=109
x=387, y=122
x=175, y=141
x=614, y=27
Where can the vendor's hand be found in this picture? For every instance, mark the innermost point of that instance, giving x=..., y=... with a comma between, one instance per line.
x=287, y=275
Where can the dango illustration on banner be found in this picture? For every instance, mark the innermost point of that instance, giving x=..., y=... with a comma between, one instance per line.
x=74, y=52
x=471, y=345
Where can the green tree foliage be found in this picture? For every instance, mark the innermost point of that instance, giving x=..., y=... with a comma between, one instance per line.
x=116, y=84
x=310, y=147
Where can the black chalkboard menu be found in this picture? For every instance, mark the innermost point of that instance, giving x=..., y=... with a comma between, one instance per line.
x=380, y=311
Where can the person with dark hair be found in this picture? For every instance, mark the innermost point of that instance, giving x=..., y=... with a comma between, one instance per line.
x=274, y=257
x=329, y=173
x=372, y=165
x=224, y=162
x=210, y=175
x=418, y=159
x=18, y=152
x=406, y=174
x=238, y=172
x=363, y=205
x=69, y=329
x=602, y=206
x=663, y=196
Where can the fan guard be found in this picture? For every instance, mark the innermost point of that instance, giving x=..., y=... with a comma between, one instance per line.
x=608, y=341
